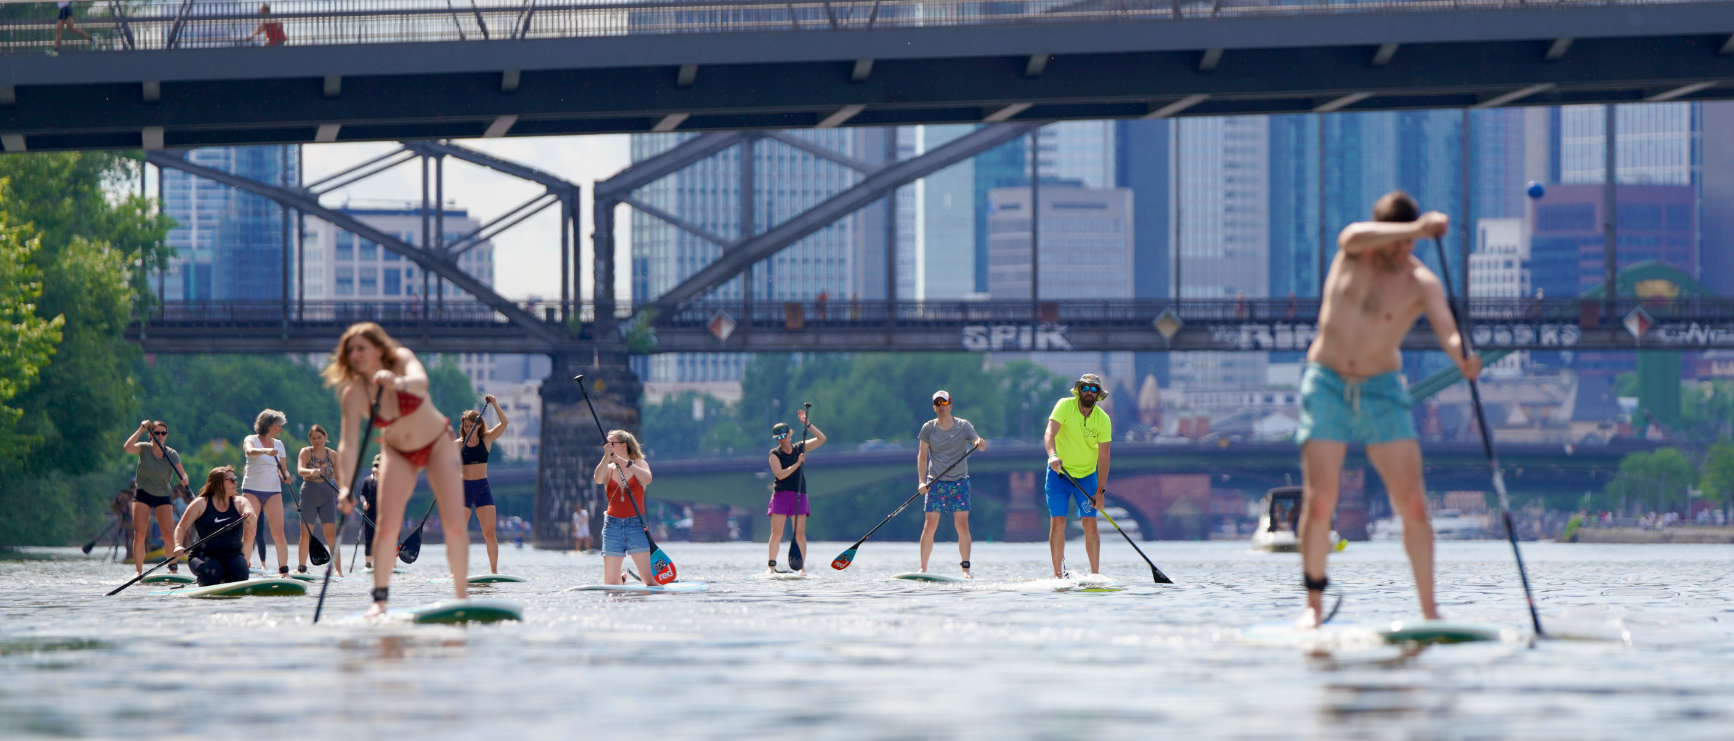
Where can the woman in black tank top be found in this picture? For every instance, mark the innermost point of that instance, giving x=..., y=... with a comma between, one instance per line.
x=475, y=444
x=789, y=495
x=223, y=558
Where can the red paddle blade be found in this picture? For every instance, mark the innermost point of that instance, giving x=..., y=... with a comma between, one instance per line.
x=842, y=561
x=661, y=567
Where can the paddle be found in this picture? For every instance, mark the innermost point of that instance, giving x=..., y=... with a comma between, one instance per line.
x=661, y=566
x=354, y=478
x=796, y=560
x=104, y=531
x=410, y=549
x=1487, y=442
x=315, y=550
x=1155, y=573
x=847, y=557
x=167, y=561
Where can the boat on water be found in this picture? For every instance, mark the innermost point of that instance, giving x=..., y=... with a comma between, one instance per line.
x=1278, y=519
x=1448, y=524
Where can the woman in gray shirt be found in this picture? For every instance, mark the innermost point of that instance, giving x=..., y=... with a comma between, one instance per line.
x=944, y=475
x=158, y=467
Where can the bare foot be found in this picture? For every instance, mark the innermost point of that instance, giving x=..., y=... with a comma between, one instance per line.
x=1309, y=618
x=376, y=610
x=968, y=575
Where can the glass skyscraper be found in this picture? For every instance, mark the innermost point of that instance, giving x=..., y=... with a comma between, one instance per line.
x=229, y=244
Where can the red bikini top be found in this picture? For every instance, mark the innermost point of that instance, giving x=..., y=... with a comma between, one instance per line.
x=406, y=404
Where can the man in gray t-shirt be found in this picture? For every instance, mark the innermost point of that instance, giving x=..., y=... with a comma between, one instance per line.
x=944, y=475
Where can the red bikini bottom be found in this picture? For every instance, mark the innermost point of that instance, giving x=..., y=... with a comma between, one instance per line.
x=419, y=456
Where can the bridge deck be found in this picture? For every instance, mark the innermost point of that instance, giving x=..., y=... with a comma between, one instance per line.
x=933, y=326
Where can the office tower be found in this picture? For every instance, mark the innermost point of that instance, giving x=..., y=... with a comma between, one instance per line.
x=1143, y=166
x=948, y=207
x=1222, y=211
x=1567, y=251
x=1716, y=210
x=229, y=243
x=844, y=259
x=1084, y=252
x=1498, y=267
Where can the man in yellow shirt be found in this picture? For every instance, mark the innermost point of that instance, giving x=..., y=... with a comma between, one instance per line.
x=1077, y=442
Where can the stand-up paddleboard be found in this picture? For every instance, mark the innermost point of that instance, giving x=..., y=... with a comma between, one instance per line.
x=919, y=576
x=167, y=579
x=781, y=576
x=1334, y=634
x=249, y=588
x=365, y=570
x=482, y=579
x=679, y=586
x=461, y=611
x=1097, y=584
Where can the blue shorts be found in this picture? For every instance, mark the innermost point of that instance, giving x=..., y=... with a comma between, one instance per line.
x=478, y=493
x=1370, y=411
x=262, y=496
x=947, y=496
x=623, y=536
x=1061, y=494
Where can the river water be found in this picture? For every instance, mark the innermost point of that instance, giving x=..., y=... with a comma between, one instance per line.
x=847, y=655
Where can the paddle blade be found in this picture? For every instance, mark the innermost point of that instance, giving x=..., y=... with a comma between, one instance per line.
x=661, y=567
x=88, y=546
x=411, y=548
x=316, y=551
x=843, y=560
x=796, y=560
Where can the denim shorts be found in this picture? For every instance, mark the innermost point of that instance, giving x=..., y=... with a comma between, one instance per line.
x=947, y=496
x=1369, y=410
x=623, y=536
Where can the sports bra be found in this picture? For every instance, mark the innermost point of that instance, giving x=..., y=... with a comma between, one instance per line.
x=477, y=453
x=407, y=403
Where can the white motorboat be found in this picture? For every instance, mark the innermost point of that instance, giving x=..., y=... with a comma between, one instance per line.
x=1277, y=522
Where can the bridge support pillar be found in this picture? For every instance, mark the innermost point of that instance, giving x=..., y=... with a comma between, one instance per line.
x=710, y=523
x=1024, y=522
x=569, y=447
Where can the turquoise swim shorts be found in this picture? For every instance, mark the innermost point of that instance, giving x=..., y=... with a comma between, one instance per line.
x=1370, y=411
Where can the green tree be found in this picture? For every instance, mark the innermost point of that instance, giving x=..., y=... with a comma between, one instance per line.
x=1656, y=480
x=449, y=388
x=1718, y=481
x=27, y=340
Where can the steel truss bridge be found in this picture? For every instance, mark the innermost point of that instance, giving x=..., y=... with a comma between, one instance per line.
x=177, y=73
x=930, y=326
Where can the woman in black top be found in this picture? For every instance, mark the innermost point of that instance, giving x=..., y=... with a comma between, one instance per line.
x=789, y=496
x=222, y=559
x=475, y=443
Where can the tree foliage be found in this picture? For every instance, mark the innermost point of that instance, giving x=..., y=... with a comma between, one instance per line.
x=27, y=339
x=857, y=398
x=1718, y=481
x=448, y=387
x=1655, y=480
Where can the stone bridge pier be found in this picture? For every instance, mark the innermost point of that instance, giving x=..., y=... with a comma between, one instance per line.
x=570, y=448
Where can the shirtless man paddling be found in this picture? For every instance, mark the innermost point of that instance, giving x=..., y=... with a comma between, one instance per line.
x=1351, y=391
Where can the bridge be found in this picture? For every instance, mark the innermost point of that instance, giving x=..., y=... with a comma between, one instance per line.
x=924, y=326
x=177, y=74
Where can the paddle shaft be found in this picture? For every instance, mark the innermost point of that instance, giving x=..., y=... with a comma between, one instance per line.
x=1156, y=574
x=912, y=497
x=354, y=479
x=624, y=482
x=99, y=534
x=171, y=559
x=1487, y=440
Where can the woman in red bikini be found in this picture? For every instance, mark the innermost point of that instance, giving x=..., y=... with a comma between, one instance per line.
x=413, y=436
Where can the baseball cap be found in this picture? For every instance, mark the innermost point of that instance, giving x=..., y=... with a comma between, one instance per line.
x=946, y=395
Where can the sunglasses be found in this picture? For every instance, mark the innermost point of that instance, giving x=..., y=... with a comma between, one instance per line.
x=779, y=437
x=160, y=434
x=231, y=479
x=1091, y=389
x=941, y=403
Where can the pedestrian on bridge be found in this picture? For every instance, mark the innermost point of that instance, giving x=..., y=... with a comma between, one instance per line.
x=789, y=497
x=63, y=21
x=1078, y=439
x=1351, y=390
x=270, y=29
x=945, y=440
x=374, y=374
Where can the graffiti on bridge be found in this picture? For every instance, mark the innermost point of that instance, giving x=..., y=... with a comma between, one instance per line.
x=991, y=337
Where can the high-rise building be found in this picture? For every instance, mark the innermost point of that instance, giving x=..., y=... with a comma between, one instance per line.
x=1142, y=147
x=1499, y=266
x=1222, y=208
x=1716, y=209
x=229, y=243
x=1084, y=252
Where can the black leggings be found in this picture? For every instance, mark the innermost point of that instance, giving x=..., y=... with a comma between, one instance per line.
x=219, y=568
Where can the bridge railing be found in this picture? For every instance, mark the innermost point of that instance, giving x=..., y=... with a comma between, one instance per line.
x=245, y=313
x=173, y=24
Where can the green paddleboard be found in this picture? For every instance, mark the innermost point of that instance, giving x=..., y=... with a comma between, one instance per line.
x=1437, y=631
x=167, y=579
x=918, y=576
x=249, y=588
x=482, y=579
x=462, y=611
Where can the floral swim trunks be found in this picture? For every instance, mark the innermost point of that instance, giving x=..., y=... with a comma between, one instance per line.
x=947, y=496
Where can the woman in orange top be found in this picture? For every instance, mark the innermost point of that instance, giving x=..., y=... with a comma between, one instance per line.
x=622, y=527
x=412, y=435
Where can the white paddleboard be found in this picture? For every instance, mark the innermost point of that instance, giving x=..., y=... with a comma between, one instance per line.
x=1343, y=635
x=780, y=576
x=679, y=586
x=919, y=576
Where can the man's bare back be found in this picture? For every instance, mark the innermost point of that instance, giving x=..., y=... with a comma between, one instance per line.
x=1375, y=291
